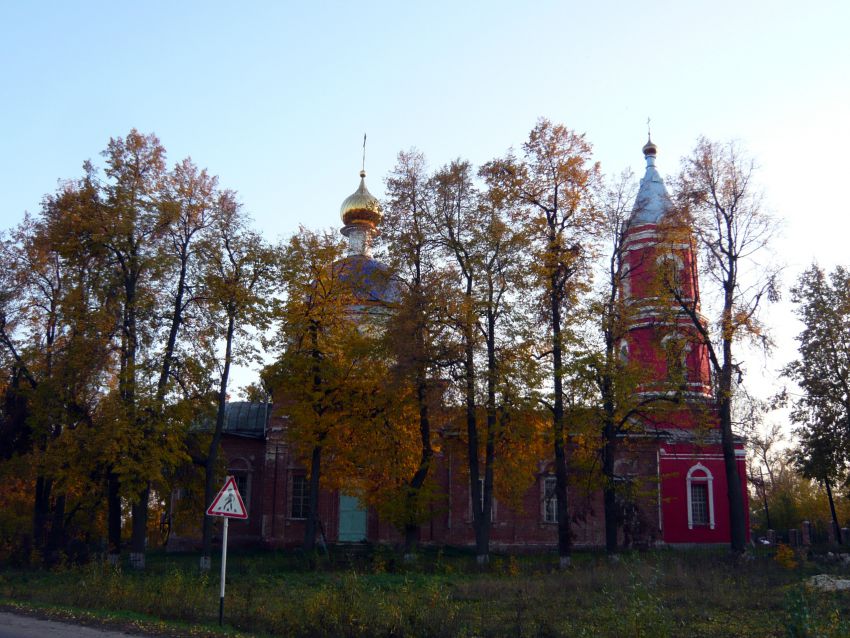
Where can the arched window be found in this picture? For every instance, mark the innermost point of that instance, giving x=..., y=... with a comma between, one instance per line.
x=700, y=497
x=623, y=352
x=548, y=499
x=670, y=269
x=676, y=351
x=626, y=284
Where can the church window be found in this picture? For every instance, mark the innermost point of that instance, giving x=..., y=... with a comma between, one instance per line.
x=699, y=504
x=700, y=497
x=670, y=268
x=676, y=351
x=624, y=352
x=550, y=500
x=300, y=501
x=481, y=501
x=240, y=470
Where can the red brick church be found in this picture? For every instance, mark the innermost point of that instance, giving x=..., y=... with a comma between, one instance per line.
x=674, y=464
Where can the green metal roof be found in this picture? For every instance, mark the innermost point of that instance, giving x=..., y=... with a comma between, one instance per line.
x=242, y=418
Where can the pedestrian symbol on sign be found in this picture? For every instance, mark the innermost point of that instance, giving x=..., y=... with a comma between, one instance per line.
x=228, y=502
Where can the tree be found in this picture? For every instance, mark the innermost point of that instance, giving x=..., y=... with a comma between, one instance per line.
x=32, y=288
x=822, y=458
x=237, y=285
x=129, y=225
x=766, y=453
x=416, y=324
x=145, y=222
x=187, y=198
x=616, y=376
x=321, y=346
x=487, y=263
x=719, y=203
x=56, y=325
x=552, y=186
x=822, y=372
x=95, y=294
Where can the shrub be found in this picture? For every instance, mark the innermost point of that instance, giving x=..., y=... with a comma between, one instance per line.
x=785, y=556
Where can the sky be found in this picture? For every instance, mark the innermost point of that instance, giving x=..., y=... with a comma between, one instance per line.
x=274, y=98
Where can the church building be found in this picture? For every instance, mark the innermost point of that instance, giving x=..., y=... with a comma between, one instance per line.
x=673, y=465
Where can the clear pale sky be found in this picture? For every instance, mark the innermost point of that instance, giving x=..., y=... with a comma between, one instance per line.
x=275, y=97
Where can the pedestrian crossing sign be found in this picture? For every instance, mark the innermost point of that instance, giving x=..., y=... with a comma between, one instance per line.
x=228, y=502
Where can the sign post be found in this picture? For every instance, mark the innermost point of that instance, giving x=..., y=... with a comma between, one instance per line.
x=228, y=504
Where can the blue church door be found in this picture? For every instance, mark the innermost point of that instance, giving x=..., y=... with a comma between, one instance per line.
x=352, y=520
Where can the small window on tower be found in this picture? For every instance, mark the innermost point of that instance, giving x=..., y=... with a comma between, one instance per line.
x=675, y=356
x=669, y=268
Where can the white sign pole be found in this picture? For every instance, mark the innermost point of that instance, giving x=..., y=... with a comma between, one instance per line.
x=223, y=572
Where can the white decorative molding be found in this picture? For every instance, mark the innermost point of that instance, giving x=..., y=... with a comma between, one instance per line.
x=709, y=480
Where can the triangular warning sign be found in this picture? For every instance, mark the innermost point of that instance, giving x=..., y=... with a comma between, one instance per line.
x=228, y=501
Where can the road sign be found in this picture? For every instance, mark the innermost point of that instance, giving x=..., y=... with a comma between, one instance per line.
x=228, y=502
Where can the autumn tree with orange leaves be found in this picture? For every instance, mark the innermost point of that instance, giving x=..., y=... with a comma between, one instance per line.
x=551, y=186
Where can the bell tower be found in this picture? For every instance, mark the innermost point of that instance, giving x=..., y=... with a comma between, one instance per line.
x=660, y=273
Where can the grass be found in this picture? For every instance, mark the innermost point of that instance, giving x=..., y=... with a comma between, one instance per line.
x=657, y=594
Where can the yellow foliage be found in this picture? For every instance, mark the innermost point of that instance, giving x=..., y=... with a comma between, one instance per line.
x=785, y=556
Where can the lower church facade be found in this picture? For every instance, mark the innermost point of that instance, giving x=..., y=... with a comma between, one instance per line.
x=676, y=496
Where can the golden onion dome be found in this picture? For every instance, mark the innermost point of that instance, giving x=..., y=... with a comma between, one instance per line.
x=361, y=206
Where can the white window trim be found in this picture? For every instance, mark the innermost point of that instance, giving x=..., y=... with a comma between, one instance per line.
x=686, y=350
x=545, y=478
x=492, y=501
x=708, y=479
x=680, y=267
x=670, y=257
x=623, y=352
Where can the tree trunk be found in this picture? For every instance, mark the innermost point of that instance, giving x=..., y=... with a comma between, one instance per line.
x=311, y=527
x=411, y=541
x=139, y=509
x=411, y=528
x=127, y=391
x=212, y=455
x=56, y=539
x=564, y=531
x=835, y=523
x=478, y=523
x=737, y=519
x=490, y=445
x=764, y=500
x=138, y=539
x=176, y=320
x=41, y=511
x=609, y=493
x=113, y=515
